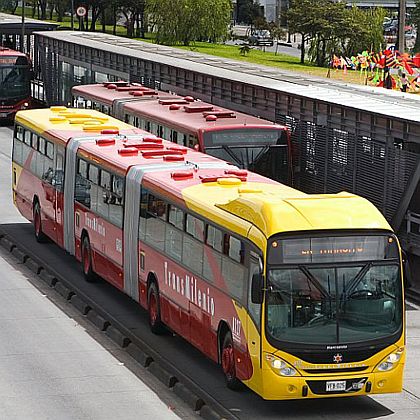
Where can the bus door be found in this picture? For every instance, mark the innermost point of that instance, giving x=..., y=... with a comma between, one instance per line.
x=53, y=187
x=58, y=184
x=253, y=326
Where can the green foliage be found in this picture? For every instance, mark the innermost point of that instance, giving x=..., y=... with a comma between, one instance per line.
x=185, y=21
x=8, y=5
x=248, y=11
x=331, y=28
x=244, y=49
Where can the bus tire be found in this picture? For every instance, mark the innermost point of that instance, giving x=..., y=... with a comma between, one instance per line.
x=39, y=235
x=153, y=305
x=228, y=363
x=87, y=269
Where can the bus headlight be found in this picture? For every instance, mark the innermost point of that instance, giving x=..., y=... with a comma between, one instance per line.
x=279, y=366
x=391, y=360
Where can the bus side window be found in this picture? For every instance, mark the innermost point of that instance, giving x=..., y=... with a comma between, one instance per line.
x=174, y=136
x=18, y=145
x=212, y=263
x=147, y=126
x=192, y=141
x=58, y=179
x=193, y=244
x=155, y=226
x=143, y=213
x=116, y=204
x=82, y=186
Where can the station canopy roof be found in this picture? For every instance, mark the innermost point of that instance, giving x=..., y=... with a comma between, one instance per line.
x=12, y=25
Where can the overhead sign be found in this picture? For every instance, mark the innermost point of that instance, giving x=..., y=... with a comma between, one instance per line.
x=81, y=11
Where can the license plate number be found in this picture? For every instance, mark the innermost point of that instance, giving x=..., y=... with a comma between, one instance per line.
x=332, y=386
x=3, y=115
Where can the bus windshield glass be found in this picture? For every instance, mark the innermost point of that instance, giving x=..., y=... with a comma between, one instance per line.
x=260, y=150
x=332, y=290
x=14, y=77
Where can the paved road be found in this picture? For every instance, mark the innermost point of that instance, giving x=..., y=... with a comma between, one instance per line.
x=244, y=404
x=50, y=367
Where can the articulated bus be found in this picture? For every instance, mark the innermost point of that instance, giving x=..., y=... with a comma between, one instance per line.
x=246, y=141
x=15, y=82
x=297, y=296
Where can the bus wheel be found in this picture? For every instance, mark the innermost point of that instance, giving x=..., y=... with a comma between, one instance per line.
x=87, y=261
x=155, y=322
x=39, y=235
x=228, y=363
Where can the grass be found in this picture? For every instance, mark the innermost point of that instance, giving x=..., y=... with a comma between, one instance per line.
x=282, y=61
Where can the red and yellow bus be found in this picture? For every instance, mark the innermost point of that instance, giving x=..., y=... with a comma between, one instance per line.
x=15, y=82
x=295, y=295
x=246, y=141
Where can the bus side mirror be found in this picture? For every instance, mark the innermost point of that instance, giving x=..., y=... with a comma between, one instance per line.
x=257, y=288
x=407, y=277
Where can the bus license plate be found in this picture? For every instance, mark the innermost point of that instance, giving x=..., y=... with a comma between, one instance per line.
x=3, y=114
x=332, y=386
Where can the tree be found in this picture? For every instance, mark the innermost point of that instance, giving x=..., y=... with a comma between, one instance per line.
x=248, y=11
x=415, y=17
x=303, y=18
x=185, y=21
x=329, y=27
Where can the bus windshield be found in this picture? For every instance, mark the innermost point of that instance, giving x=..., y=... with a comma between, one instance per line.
x=264, y=151
x=14, y=77
x=335, y=295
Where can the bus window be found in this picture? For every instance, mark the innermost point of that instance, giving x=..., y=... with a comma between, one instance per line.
x=156, y=207
x=105, y=180
x=176, y=217
x=193, y=246
x=58, y=180
x=50, y=150
x=34, y=142
x=27, y=137
x=192, y=141
x=93, y=174
x=148, y=126
x=17, y=150
x=155, y=226
x=236, y=250
x=214, y=238
x=195, y=227
x=19, y=132
x=41, y=145
x=235, y=278
x=173, y=234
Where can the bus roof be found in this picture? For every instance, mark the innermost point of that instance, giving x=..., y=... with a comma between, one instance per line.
x=9, y=52
x=184, y=112
x=65, y=123
x=232, y=197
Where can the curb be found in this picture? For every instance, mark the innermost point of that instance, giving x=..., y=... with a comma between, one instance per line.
x=115, y=332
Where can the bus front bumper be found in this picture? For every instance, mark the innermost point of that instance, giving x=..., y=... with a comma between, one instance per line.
x=277, y=387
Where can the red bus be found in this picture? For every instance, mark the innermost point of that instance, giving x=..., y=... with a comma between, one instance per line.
x=246, y=141
x=295, y=295
x=15, y=82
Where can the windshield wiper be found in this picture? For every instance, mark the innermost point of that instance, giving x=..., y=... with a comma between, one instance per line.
x=315, y=282
x=355, y=282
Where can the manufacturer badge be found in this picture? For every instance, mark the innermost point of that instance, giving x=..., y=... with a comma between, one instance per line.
x=338, y=358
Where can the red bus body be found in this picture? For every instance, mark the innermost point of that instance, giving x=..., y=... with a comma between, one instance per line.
x=185, y=235
x=15, y=82
x=189, y=305
x=244, y=140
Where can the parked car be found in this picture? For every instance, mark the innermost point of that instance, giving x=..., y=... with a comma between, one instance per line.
x=260, y=37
